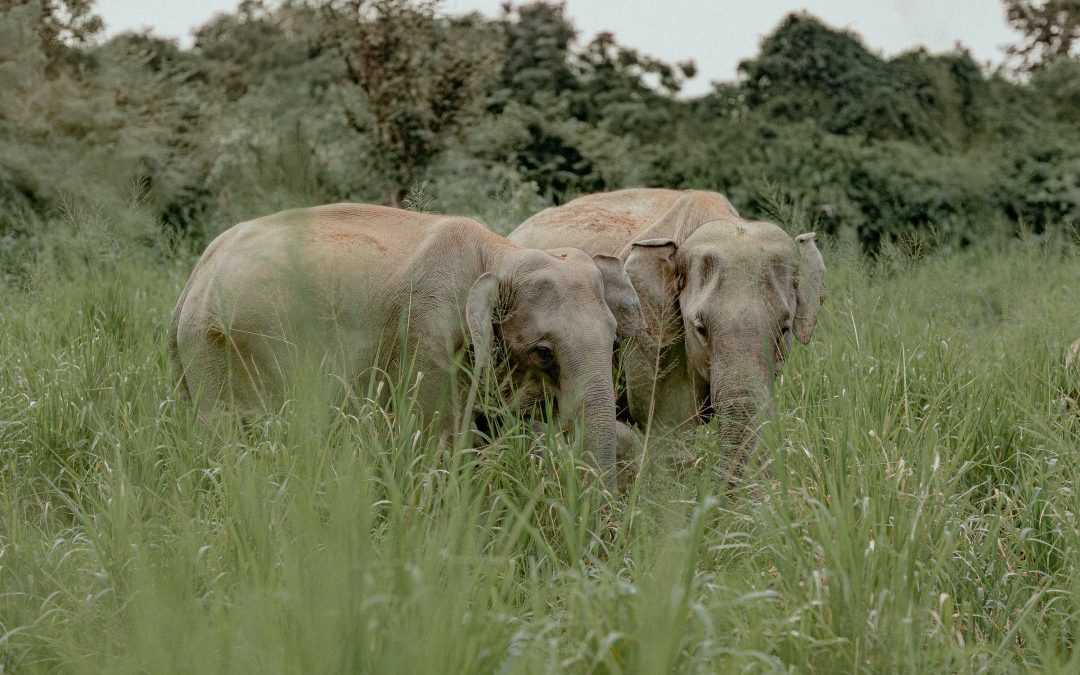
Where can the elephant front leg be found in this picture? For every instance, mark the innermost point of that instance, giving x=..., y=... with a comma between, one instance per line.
x=421, y=394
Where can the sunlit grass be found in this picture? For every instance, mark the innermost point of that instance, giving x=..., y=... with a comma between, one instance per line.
x=912, y=508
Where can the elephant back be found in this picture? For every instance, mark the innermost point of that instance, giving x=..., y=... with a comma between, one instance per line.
x=607, y=223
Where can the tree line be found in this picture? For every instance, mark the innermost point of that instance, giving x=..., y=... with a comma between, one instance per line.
x=280, y=104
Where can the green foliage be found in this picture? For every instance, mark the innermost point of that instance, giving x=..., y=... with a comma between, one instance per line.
x=1050, y=28
x=911, y=510
x=808, y=70
x=60, y=25
x=1058, y=84
x=301, y=102
x=537, y=55
x=420, y=75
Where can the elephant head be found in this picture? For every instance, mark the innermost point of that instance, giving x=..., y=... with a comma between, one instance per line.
x=555, y=315
x=733, y=292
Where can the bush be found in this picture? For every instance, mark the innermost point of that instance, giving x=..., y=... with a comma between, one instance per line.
x=264, y=113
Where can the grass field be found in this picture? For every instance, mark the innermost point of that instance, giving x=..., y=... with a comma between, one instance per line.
x=916, y=509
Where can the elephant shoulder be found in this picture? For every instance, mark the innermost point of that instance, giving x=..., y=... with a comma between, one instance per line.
x=712, y=205
x=458, y=232
x=450, y=254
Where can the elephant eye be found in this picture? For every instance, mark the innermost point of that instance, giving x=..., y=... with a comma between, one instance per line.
x=699, y=326
x=545, y=357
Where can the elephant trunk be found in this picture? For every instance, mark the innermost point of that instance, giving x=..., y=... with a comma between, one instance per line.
x=740, y=398
x=740, y=392
x=592, y=400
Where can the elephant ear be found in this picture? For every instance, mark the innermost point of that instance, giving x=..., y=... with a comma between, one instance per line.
x=620, y=296
x=653, y=269
x=480, y=316
x=810, y=286
x=480, y=309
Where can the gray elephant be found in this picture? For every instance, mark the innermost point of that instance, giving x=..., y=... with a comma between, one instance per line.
x=344, y=284
x=722, y=297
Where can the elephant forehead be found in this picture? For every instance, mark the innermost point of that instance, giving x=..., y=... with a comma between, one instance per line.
x=576, y=326
x=556, y=287
x=571, y=265
x=560, y=274
x=570, y=255
x=557, y=300
x=733, y=254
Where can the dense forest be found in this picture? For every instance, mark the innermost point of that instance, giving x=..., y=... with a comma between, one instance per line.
x=299, y=102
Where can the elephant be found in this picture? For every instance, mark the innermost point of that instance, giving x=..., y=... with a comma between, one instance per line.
x=722, y=297
x=361, y=288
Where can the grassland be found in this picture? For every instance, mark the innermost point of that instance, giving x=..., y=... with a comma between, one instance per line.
x=914, y=508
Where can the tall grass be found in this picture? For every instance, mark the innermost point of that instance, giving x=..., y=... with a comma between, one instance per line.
x=914, y=509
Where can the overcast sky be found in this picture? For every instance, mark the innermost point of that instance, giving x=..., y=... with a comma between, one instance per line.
x=717, y=34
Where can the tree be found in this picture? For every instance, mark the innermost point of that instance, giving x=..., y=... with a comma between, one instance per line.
x=806, y=69
x=537, y=59
x=61, y=25
x=1050, y=28
x=422, y=76
x=809, y=70
x=158, y=91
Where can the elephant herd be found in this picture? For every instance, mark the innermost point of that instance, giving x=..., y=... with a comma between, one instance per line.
x=692, y=305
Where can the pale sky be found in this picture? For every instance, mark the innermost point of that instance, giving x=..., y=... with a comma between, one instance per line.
x=717, y=34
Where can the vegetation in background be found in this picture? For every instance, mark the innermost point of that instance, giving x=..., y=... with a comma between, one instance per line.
x=420, y=76
x=1050, y=29
x=369, y=99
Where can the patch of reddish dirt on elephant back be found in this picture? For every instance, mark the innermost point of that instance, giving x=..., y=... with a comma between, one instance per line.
x=340, y=237
x=600, y=219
